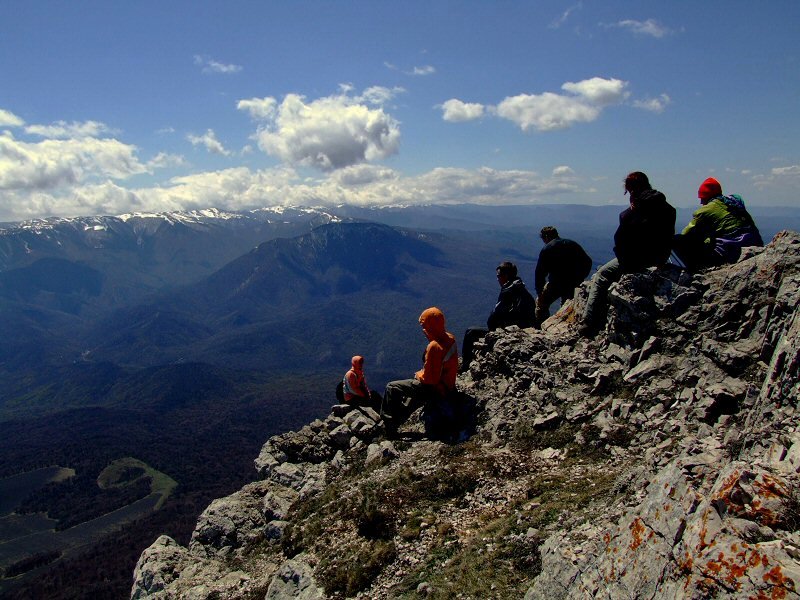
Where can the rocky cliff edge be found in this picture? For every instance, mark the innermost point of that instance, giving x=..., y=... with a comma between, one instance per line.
x=658, y=460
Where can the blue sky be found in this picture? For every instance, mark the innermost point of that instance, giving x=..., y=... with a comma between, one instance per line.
x=114, y=107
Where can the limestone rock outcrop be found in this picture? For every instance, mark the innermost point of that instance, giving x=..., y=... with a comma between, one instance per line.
x=660, y=459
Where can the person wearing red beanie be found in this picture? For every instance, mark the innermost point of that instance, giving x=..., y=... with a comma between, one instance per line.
x=709, y=189
x=718, y=231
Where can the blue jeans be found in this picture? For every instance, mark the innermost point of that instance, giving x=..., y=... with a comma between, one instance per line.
x=597, y=303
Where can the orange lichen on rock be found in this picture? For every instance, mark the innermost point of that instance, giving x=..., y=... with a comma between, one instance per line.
x=782, y=583
x=771, y=487
x=637, y=529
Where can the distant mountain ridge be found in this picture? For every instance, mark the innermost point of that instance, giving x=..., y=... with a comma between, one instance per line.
x=290, y=303
x=158, y=249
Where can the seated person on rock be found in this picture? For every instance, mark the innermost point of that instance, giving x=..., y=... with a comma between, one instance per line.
x=718, y=231
x=515, y=306
x=643, y=239
x=354, y=387
x=432, y=386
x=562, y=266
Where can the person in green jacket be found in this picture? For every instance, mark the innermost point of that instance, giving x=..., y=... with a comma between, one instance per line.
x=718, y=231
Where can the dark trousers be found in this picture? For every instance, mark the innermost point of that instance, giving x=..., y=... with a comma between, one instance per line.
x=374, y=401
x=695, y=254
x=471, y=335
x=551, y=293
x=403, y=397
x=597, y=302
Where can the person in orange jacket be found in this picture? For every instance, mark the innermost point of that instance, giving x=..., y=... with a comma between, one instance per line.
x=355, y=389
x=432, y=384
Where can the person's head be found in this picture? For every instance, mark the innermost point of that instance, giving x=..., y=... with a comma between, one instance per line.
x=636, y=183
x=506, y=272
x=432, y=322
x=548, y=234
x=357, y=362
x=709, y=190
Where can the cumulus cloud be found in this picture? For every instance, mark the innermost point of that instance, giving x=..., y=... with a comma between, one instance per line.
x=240, y=188
x=650, y=27
x=327, y=133
x=259, y=109
x=598, y=91
x=546, y=112
x=359, y=175
x=9, y=119
x=53, y=163
x=163, y=160
x=563, y=171
x=64, y=130
x=209, y=141
x=211, y=66
x=455, y=110
x=656, y=105
x=549, y=111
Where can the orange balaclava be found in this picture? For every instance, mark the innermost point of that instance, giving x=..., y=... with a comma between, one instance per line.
x=357, y=362
x=432, y=321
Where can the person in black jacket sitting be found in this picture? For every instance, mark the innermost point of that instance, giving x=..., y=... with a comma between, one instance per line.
x=643, y=239
x=562, y=266
x=515, y=306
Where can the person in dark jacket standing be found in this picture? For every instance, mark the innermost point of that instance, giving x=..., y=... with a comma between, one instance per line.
x=515, y=306
x=562, y=266
x=643, y=239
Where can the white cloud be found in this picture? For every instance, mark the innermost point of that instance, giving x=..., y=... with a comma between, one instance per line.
x=656, y=105
x=330, y=132
x=786, y=177
x=556, y=23
x=259, y=109
x=455, y=110
x=563, y=171
x=598, y=91
x=549, y=111
x=649, y=27
x=378, y=95
x=792, y=171
x=209, y=141
x=51, y=164
x=546, y=112
x=211, y=66
x=163, y=160
x=240, y=188
x=64, y=130
x=424, y=70
x=9, y=119
x=358, y=175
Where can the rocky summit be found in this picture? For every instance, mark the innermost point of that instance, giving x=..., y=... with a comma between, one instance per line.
x=658, y=459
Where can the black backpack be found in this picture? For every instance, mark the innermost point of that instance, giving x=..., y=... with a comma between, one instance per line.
x=340, y=392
